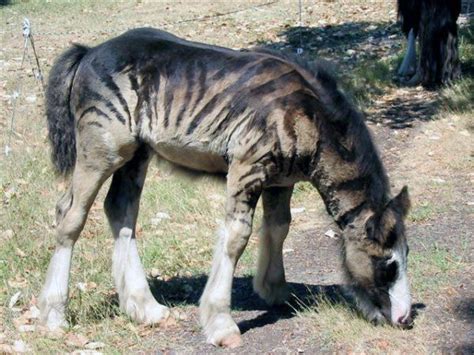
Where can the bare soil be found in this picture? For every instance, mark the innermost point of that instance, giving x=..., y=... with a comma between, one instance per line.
x=421, y=145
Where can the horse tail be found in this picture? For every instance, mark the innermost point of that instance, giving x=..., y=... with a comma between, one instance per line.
x=61, y=125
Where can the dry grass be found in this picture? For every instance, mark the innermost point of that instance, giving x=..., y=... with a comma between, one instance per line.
x=181, y=246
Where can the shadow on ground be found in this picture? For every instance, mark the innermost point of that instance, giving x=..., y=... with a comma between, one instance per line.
x=337, y=41
x=179, y=291
x=366, y=56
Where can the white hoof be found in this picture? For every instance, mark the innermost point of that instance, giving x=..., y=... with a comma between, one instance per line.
x=53, y=317
x=222, y=331
x=148, y=311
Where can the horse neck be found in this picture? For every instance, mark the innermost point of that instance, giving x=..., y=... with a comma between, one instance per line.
x=347, y=189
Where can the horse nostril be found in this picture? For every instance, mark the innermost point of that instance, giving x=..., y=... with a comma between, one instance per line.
x=405, y=321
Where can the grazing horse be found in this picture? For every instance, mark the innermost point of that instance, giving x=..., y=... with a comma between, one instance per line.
x=434, y=23
x=265, y=120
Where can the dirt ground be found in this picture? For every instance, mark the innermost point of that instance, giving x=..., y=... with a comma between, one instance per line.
x=423, y=143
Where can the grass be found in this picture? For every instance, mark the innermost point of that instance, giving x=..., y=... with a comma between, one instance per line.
x=370, y=79
x=422, y=213
x=339, y=326
x=179, y=248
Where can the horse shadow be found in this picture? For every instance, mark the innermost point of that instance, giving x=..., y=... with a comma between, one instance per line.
x=366, y=56
x=180, y=291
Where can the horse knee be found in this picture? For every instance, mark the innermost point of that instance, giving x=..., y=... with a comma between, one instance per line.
x=70, y=226
x=236, y=237
x=63, y=206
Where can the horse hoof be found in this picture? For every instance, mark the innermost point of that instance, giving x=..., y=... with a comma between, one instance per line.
x=232, y=341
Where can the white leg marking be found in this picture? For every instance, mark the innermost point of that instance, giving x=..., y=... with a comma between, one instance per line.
x=135, y=296
x=54, y=295
x=219, y=327
x=400, y=293
x=408, y=66
x=269, y=282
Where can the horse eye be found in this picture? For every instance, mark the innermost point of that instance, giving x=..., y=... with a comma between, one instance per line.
x=386, y=273
x=391, y=238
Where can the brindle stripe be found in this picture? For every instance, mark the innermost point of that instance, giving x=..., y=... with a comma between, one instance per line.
x=169, y=96
x=189, y=76
x=269, y=87
x=356, y=184
x=110, y=84
x=236, y=88
x=95, y=96
x=202, y=80
x=133, y=82
x=94, y=109
x=237, y=106
x=348, y=216
x=94, y=123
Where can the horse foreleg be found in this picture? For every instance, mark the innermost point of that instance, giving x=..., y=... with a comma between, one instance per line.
x=219, y=327
x=269, y=282
x=408, y=66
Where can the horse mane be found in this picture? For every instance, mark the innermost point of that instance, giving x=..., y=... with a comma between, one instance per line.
x=342, y=122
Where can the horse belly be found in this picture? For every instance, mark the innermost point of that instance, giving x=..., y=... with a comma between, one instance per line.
x=192, y=157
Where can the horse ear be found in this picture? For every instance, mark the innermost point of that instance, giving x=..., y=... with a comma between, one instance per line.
x=401, y=202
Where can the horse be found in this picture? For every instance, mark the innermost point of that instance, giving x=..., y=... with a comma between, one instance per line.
x=265, y=120
x=434, y=23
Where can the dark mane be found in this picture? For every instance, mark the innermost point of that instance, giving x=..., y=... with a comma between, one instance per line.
x=342, y=123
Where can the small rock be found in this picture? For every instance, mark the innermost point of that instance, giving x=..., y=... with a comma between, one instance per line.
x=14, y=299
x=95, y=345
x=179, y=315
x=8, y=234
x=439, y=180
x=26, y=328
x=30, y=99
x=82, y=286
x=155, y=272
x=286, y=251
x=297, y=210
x=160, y=216
x=76, y=340
x=331, y=234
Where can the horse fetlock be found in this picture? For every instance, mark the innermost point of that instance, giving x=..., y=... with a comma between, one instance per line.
x=52, y=313
x=221, y=330
x=271, y=293
x=144, y=309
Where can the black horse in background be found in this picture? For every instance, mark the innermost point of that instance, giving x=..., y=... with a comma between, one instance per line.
x=434, y=23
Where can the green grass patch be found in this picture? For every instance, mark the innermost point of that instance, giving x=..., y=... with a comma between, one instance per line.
x=336, y=325
x=369, y=79
x=432, y=269
x=422, y=213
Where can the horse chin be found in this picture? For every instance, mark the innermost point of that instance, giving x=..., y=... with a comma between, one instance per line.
x=369, y=310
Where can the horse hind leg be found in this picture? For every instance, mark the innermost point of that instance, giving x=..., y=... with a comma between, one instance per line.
x=101, y=149
x=121, y=207
x=71, y=214
x=269, y=282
